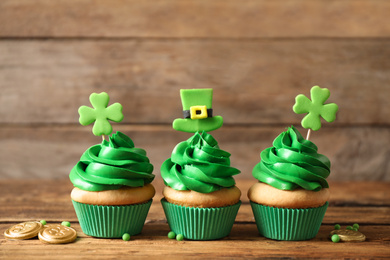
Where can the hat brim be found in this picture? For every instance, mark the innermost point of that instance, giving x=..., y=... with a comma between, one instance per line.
x=195, y=125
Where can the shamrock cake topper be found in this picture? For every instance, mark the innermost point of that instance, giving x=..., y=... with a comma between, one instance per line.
x=315, y=108
x=197, y=112
x=100, y=114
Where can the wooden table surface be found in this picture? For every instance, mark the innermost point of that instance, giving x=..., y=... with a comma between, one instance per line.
x=365, y=203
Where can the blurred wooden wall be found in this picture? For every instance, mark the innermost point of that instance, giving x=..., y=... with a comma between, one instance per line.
x=256, y=54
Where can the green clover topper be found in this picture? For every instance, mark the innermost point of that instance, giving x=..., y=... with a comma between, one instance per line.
x=100, y=114
x=315, y=108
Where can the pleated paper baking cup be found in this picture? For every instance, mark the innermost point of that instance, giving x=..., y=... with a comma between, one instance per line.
x=111, y=221
x=200, y=223
x=288, y=224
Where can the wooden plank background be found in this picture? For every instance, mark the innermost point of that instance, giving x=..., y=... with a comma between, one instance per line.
x=256, y=54
x=362, y=202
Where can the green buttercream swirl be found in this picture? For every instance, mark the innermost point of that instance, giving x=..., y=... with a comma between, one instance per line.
x=199, y=165
x=293, y=162
x=112, y=165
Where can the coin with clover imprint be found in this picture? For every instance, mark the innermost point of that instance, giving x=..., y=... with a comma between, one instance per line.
x=23, y=230
x=57, y=234
x=349, y=235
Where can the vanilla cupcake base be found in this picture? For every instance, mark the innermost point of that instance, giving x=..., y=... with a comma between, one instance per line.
x=200, y=223
x=201, y=216
x=264, y=194
x=288, y=224
x=189, y=198
x=111, y=221
x=111, y=213
x=287, y=215
x=122, y=196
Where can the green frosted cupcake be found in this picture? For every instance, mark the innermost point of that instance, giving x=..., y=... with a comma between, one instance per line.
x=290, y=200
x=200, y=200
x=112, y=192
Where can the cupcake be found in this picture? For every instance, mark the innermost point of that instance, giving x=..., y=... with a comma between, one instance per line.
x=112, y=187
x=200, y=200
x=290, y=200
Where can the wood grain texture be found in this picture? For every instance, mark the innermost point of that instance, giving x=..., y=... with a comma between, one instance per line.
x=254, y=81
x=243, y=242
x=256, y=54
x=356, y=153
x=26, y=200
x=189, y=19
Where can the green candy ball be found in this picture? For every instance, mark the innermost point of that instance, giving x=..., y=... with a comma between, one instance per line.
x=349, y=228
x=43, y=222
x=335, y=238
x=126, y=237
x=337, y=226
x=171, y=235
x=179, y=237
x=65, y=223
x=356, y=226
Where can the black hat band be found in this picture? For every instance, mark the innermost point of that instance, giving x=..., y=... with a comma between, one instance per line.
x=187, y=113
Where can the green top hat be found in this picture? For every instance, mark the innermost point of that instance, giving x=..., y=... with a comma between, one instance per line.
x=197, y=111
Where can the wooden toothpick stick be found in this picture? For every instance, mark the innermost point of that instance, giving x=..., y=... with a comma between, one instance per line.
x=103, y=139
x=308, y=134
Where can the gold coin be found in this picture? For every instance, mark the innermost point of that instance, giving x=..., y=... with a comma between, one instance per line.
x=24, y=230
x=349, y=235
x=57, y=234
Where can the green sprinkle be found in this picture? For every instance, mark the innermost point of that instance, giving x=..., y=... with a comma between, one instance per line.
x=65, y=223
x=335, y=238
x=179, y=237
x=337, y=226
x=356, y=226
x=126, y=237
x=349, y=228
x=171, y=235
x=355, y=229
x=43, y=222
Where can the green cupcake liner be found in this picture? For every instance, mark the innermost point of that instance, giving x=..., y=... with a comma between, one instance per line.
x=200, y=223
x=111, y=221
x=288, y=224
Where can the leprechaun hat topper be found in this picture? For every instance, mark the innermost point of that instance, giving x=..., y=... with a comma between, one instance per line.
x=197, y=111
